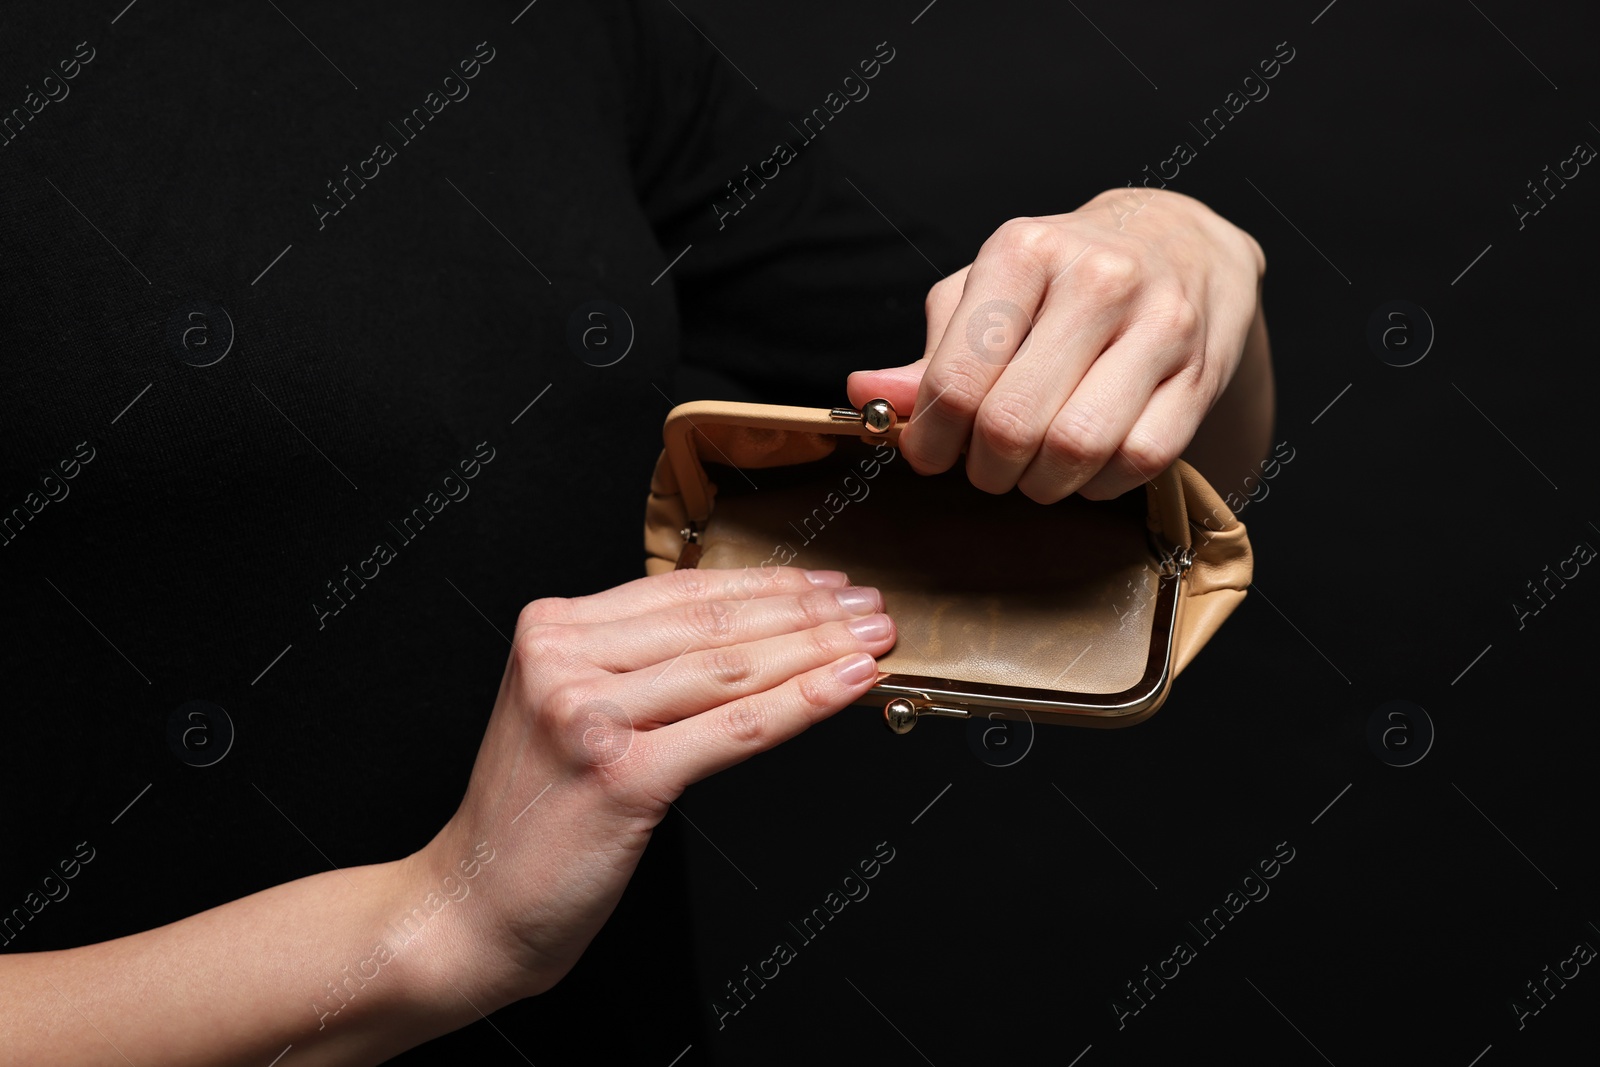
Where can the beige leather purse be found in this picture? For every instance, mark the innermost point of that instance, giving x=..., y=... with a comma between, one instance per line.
x=1079, y=613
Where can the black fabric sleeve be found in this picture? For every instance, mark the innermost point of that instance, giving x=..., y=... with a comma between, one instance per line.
x=795, y=281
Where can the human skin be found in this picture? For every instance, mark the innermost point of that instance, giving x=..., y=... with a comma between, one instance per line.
x=1085, y=352
x=609, y=707
x=1137, y=337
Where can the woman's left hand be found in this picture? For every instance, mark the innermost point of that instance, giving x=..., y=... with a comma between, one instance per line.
x=1080, y=352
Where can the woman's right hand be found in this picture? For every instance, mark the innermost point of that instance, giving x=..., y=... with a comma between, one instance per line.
x=610, y=706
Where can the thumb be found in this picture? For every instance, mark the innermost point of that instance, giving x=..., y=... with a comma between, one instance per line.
x=897, y=385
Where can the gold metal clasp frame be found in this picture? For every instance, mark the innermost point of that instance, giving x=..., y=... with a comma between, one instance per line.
x=906, y=698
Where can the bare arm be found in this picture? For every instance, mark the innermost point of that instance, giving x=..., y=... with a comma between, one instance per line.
x=244, y=980
x=356, y=965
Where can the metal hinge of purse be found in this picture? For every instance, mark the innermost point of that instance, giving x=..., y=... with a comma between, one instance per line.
x=689, y=555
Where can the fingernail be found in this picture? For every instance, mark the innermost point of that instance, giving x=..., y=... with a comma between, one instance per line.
x=827, y=578
x=871, y=628
x=857, y=601
x=856, y=669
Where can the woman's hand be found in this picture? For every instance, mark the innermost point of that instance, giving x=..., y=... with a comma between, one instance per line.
x=1081, y=352
x=610, y=706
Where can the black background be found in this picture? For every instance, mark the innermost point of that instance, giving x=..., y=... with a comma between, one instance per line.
x=1021, y=898
x=1391, y=549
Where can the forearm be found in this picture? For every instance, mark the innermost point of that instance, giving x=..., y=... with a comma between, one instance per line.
x=327, y=963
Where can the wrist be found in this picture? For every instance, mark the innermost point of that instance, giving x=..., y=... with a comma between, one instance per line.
x=442, y=928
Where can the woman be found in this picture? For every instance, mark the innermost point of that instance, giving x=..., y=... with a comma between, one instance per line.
x=402, y=232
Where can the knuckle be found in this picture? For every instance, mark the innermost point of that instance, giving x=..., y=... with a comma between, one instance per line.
x=749, y=584
x=1005, y=427
x=1108, y=275
x=815, y=692
x=690, y=583
x=1079, y=436
x=816, y=608
x=1025, y=238
x=938, y=293
x=756, y=579
x=1041, y=492
x=1148, y=455
x=745, y=723
x=1183, y=318
x=709, y=620
x=826, y=643
x=541, y=644
x=1199, y=376
x=564, y=708
x=546, y=610
x=958, y=389
x=729, y=666
x=586, y=728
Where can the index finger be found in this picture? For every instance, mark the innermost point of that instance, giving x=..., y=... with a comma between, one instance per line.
x=986, y=332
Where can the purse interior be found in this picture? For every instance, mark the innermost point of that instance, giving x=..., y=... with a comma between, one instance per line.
x=983, y=588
